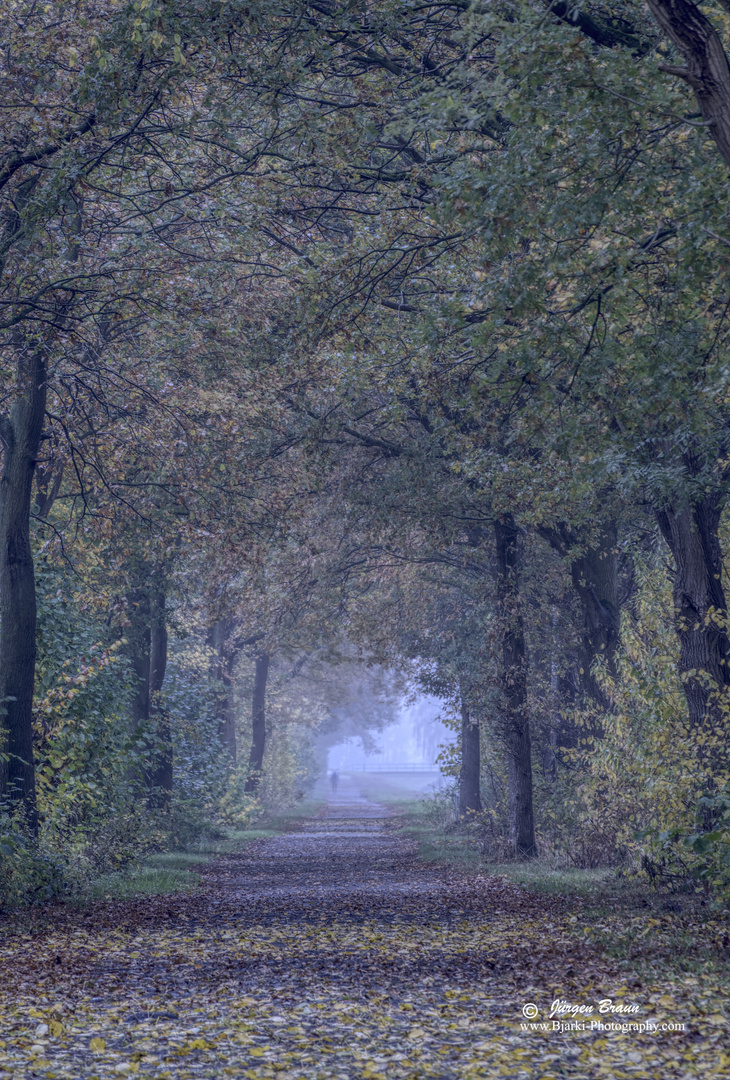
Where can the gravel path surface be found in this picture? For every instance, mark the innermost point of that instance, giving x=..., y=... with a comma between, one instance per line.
x=333, y=953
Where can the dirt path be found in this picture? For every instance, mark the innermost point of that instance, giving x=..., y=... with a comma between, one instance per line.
x=333, y=952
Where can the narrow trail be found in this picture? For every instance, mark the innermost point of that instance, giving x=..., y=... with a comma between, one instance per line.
x=331, y=952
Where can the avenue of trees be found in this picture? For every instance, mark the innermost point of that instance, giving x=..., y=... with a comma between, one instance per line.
x=341, y=339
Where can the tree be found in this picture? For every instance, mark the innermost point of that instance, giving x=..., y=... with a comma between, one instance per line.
x=470, y=799
x=576, y=293
x=594, y=572
x=564, y=276
x=225, y=650
x=20, y=432
x=425, y=282
x=147, y=645
x=707, y=71
x=514, y=689
x=258, y=723
x=114, y=146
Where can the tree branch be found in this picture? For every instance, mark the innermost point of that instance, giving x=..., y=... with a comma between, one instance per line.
x=607, y=33
x=19, y=160
x=707, y=71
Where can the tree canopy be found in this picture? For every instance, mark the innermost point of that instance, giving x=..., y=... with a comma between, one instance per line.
x=367, y=333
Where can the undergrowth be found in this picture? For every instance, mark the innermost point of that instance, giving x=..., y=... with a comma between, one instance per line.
x=171, y=863
x=622, y=914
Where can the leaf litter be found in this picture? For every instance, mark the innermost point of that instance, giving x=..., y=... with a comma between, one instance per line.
x=332, y=952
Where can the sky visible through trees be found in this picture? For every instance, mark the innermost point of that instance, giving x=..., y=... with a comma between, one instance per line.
x=414, y=738
x=356, y=354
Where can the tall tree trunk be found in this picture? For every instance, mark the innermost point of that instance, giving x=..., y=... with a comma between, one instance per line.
x=21, y=437
x=469, y=776
x=138, y=644
x=550, y=745
x=595, y=579
x=224, y=657
x=160, y=778
x=707, y=70
x=700, y=618
x=516, y=724
x=258, y=718
x=147, y=644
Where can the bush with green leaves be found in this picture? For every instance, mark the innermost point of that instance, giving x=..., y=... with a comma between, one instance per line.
x=27, y=874
x=93, y=763
x=201, y=763
x=89, y=759
x=657, y=788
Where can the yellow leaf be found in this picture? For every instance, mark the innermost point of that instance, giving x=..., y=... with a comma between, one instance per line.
x=97, y=1044
x=256, y=1051
x=55, y=1027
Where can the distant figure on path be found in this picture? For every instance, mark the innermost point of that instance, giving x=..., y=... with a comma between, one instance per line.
x=334, y=781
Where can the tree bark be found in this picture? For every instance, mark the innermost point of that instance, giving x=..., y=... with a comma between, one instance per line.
x=21, y=437
x=147, y=643
x=138, y=643
x=469, y=776
x=258, y=718
x=224, y=657
x=700, y=618
x=550, y=745
x=595, y=579
x=161, y=777
x=516, y=724
x=700, y=607
x=707, y=70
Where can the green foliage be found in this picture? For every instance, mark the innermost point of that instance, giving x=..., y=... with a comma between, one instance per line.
x=89, y=760
x=92, y=762
x=501, y=287
x=27, y=874
x=652, y=781
x=141, y=881
x=236, y=807
x=200, y=763
x=285, y=771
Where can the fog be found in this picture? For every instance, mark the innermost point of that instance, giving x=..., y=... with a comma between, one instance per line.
x=412, y=743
